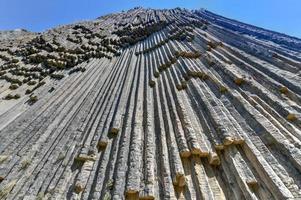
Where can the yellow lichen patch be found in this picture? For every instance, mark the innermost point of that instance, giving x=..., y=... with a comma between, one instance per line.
x=78, y=188
x=223, y=89
x=114, y=130
x=196, y=151
x=252, y=183
x=101, y=145
x=204, y=76
x=147, y=198
x=194, y=74
x=131, y=195
x=84, y=158
x=239, y=81
x=283, y=90
x=291, y=117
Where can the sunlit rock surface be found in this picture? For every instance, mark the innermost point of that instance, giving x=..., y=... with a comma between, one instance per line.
x=150, y=104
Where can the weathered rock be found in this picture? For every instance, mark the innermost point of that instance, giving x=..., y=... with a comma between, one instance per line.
x=150, y=104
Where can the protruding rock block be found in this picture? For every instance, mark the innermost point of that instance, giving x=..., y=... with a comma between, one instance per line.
x=114, y=131
x=238, y=140
x=239, y=81
x=179, y=86
x=173, y=60
x=180, y=180
x=132, y=195
x=84, y=158
x=253, y=184
x=291, y=117
x=78, y=188
x=199, y=152
x=212, y=44
x=214, y=159
x=83, y=176
x=219, y=146
x=185, y=154
x=101, y=145
x=223, y=89
x=208, y=48
x=152, y=83
x=283, y=90
x=203, y=76
x=228, y=140
x=146, y=197
x=184, y=84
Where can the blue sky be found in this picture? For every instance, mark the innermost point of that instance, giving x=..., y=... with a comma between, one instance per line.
x=39, y=15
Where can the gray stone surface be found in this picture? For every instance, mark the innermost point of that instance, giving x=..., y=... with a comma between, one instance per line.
x=150, y=104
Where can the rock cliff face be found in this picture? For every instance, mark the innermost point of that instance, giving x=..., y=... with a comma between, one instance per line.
x=150, y=104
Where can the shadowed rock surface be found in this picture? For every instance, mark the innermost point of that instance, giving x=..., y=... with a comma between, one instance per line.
x=150, y=104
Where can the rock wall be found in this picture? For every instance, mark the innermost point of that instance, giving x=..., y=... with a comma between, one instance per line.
x=161, y=104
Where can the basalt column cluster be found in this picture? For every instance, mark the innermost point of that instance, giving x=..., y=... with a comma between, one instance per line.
x=151, y=104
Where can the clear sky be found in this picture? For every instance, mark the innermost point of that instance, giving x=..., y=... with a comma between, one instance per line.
x=38, y=15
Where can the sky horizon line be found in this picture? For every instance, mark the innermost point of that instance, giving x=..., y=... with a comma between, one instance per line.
x=36, y=17
x=85, y=20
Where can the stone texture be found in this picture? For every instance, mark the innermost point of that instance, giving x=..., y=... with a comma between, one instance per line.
x=150, y=104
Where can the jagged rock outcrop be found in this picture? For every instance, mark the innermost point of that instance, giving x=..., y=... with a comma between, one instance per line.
x=151, y=104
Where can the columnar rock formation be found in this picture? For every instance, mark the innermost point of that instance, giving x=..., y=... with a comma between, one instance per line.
x=151, y=104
